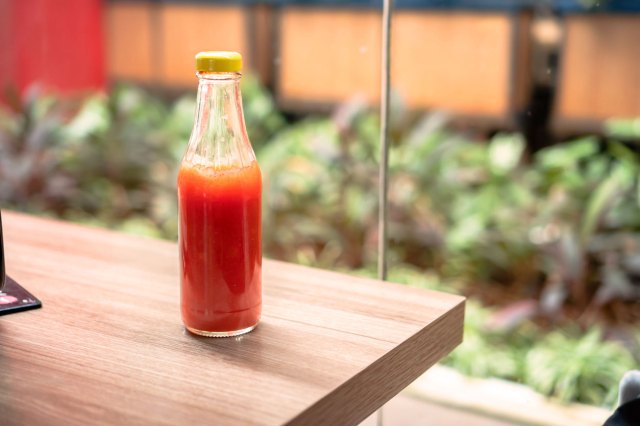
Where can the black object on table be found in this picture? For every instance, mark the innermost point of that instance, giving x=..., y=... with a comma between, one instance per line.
x=13, y=298
x=3, y=273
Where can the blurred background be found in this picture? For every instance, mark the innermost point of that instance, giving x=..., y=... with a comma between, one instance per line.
x=514, y=167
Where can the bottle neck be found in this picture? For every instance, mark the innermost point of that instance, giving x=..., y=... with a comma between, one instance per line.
x=219, y=137
x=219, y=99
x=221, y=84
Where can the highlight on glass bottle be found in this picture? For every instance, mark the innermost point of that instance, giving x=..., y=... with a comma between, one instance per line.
x=219, y=198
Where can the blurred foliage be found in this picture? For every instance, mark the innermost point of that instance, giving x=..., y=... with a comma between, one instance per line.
x=583, y=368
x=103, y=160
x=560, y=229
x=551, y=240
x=566, y=364
x=108, y=160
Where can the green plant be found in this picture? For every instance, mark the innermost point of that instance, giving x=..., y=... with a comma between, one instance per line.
x=107, y=160
x=318, y=202
x=584, y=369
x=558, y=229
x=30, y=174
x=565, y=364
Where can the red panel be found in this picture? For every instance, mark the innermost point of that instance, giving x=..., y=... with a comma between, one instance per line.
x=54, y=43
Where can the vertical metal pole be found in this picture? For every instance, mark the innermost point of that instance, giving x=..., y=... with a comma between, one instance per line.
x=383, y=184
x=384, y=141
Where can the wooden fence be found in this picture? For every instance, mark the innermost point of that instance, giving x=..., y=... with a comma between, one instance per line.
x=599, y=71
x=474, y=64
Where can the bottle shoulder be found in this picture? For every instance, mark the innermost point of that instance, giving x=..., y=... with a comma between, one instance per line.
x=209, y=178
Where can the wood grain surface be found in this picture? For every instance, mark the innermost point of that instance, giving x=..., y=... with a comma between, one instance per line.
x=157, y=43
x=328, y=55
x=600, y=70
x=108, y=346
x=129, y=41
x=187, y=29
x=454, y=61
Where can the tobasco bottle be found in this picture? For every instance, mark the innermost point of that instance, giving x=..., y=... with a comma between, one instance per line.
x=219, y=197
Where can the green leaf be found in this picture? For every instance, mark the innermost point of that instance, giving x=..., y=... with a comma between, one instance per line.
x=567, y=155
x=583, y=369
x=466, y=233
x=623, y=128
x=601, y=199
x=92, y=119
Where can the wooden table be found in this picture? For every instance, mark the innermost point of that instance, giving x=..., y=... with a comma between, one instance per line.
x=108, y=345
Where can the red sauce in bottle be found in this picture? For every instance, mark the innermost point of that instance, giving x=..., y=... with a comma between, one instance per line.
x=220, y=247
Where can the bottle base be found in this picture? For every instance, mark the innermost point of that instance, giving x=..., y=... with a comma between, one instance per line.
x=221, y=333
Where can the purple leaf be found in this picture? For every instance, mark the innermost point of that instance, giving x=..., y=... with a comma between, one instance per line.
x=512, y=315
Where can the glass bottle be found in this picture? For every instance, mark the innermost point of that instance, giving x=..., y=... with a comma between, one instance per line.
x=219, y=198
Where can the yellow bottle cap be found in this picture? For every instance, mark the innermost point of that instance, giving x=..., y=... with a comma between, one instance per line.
x=218, y=62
